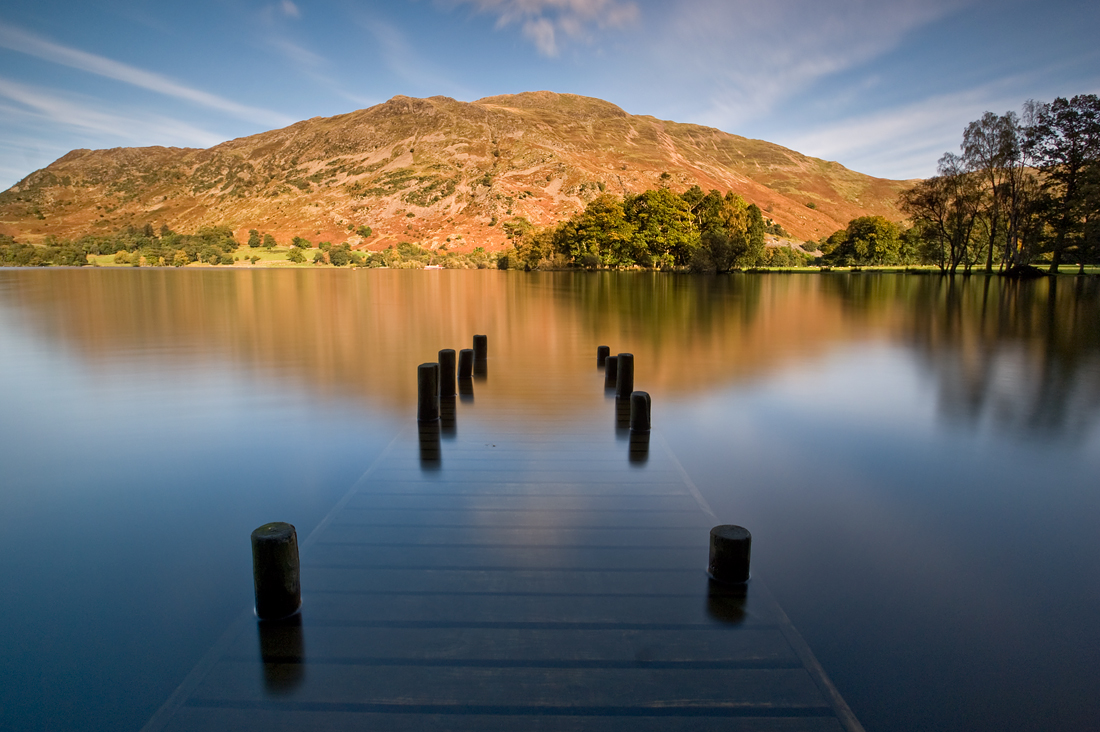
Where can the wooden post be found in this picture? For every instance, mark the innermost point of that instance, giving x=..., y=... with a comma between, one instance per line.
x=447, y=372
x=640, y=407
x=466, y=364
x=275, y=571
x=624, y=382
x=730, y=547
x=481, y=347
x=611, y=372
x=602, y=352
x=427, y=384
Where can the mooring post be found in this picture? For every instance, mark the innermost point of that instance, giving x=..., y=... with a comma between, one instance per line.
x=465, y=364
x=447, y=372
x=610, y=372
x=602, y=352
x=275, y=571
x=481, y=347
x=640, y=407
x=624, y=382
x=427, y=384
x=730, y=547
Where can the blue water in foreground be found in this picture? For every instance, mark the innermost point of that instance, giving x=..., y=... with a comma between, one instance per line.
x=917, y=460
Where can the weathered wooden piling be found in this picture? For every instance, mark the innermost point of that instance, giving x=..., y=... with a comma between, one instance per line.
x=624, y=381
x=466, y=364
x=610, y=372
x=447, y=372
x=602, y=352
x=481, y=347
x=640, y=407
x=275, y=571
x=427, y=385
x=730, y=547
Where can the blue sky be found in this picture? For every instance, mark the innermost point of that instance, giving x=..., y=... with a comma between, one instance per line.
x=882, y=86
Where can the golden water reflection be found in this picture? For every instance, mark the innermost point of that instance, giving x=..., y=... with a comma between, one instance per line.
x=1026, y=350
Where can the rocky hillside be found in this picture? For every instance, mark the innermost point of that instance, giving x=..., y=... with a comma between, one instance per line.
x=433, y=171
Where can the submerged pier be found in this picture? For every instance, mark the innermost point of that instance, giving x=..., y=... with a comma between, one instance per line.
x=533, y=578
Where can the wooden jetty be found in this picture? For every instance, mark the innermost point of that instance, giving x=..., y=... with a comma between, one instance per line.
x=511, y=576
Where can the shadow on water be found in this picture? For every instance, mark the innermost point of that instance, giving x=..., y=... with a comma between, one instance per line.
x=726, y=603
x=431, y=449
x=466, y=391
x=283, y=650
x=448, y=424
x=639, y=448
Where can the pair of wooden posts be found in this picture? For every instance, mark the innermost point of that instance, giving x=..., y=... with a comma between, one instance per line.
x=619, y=375
x=435, y=380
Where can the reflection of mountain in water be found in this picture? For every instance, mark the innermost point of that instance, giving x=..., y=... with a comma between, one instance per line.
x=1025, y=355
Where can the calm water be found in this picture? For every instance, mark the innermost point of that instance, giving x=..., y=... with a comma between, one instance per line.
x=917, y=460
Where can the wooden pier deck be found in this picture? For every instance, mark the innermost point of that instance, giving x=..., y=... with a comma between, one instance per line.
x=512, y=576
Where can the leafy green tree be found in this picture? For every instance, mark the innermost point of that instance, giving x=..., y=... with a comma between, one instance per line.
x=1064, y=141
x=254, y=240
x=269, y=241
x=300, y=243
x=364, y=231
x=664, y=225
x=754, y=237
x=601, y=231
x=296, y=255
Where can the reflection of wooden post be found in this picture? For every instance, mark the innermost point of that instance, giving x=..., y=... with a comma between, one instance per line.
x=481, y=347
x=640, y=406
x=624, y=382
x=447, y=372
x=602, y=352
x=730, y=547
x=275, y=570
x=610, y=372
x=466, y=364
x=427, y=384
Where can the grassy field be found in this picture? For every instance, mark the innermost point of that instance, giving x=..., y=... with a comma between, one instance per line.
x=276, y=258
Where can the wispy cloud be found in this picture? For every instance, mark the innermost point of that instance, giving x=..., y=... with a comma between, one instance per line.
x=22, y=41
x=543, y=22
x=403, y=59
x=906, y=141
x=755, y=55
x=40, y=106
x=289, y=9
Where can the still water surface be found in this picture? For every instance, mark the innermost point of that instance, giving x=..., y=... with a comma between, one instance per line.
x=917, y=460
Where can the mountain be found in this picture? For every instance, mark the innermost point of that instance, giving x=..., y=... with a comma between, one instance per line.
x=429, y=171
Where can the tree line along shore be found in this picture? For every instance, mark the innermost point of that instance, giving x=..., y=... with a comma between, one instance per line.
x=1023, y=193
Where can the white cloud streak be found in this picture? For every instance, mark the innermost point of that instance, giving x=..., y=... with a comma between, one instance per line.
x=22, y=41
x=755, y=55
x=543, y=22
x=405, y=62
x=39, y=106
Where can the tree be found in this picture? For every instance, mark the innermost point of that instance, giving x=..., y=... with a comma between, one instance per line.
x=664, y=225
x=269, y=241
x=296, y=255
x=946, y=206
x=754, y=237
x=364, y=231
x=991, y=148
x=254, y=239
x=300, y=243
x=1065, y=143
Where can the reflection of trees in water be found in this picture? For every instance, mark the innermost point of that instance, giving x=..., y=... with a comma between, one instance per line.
x=666, y=309
x=1024, y=355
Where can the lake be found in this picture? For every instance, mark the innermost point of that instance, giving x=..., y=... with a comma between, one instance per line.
x=917, y=459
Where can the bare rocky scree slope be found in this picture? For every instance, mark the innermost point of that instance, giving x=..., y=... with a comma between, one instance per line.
x=425, y=170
